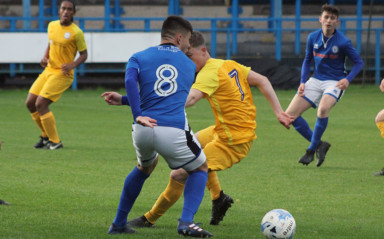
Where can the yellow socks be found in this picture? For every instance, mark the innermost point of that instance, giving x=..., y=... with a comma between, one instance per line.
x=49, y=124
x=380, y=125
x=170, y=195
x=213, y=185
x=36, y=117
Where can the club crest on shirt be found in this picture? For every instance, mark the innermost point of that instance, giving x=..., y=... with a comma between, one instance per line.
x=335, y=49
x=67, y=35
x=316, y=46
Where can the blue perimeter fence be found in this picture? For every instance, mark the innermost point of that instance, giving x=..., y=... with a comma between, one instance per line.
x=234, y=26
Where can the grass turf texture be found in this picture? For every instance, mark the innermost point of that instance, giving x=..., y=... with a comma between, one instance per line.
x=74, y=192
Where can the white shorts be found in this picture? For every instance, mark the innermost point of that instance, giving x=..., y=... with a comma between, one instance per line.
x=315, y=89
x=178, y=147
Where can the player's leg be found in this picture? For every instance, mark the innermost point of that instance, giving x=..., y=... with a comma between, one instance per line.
x=221, y=156
x=171, y=194
x=380, y=125
x=184, y=151
x=147, y=160
x=166, y=199
x=51, y=92
x=297, y=106
x=31, y=106
x=318, y=146
x=379, y=120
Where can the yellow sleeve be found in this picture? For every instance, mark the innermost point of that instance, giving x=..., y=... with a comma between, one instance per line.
x=80, y=41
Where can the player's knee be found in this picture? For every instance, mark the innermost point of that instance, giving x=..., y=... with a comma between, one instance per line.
x=179, y=175
x=323, y=112
x=30, y=105
x=379, y=117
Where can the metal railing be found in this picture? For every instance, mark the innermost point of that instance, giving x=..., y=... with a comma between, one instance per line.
x=234, y=26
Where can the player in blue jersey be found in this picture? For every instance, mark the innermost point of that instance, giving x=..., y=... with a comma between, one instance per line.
x=157, y=82
x=380, y=124
x=328, y=48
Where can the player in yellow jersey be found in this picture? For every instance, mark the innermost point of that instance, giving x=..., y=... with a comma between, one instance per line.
x=65, y=40
x=380, y=124
x=225, y=84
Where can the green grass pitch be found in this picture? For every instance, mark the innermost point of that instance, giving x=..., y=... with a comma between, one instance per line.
x=74, y=192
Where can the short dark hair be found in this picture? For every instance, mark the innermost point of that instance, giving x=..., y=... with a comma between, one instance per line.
x=71, y=1
x=197, y=39
x=175, y=24
x=330, y=8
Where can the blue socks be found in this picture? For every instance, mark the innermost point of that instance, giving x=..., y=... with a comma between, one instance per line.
x=193, y=194
x=318, y=131
x=132, y=187
x=303, y=128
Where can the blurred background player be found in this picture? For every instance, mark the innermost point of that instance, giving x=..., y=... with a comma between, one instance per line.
x=226, y=86
x=380, y=124
x=65, y=40
x=164, y=75
x=328, y=48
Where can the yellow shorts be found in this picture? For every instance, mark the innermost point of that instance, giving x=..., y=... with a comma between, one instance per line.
x=220, y=155
x=50, y=86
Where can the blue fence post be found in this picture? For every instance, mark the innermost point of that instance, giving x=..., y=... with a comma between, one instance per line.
x=174, y=7
x=228, y=44
x=107, y=15
x=235, y=11
x=278, y=27
x=271, y=24
x=377, y=57
x=74, y=82
x=359, y=24
x=26, y=14
x=343, y=26
x=54, y=9
x=12, y=69
x=213, y=38
x=297, y=26
x=41, y=15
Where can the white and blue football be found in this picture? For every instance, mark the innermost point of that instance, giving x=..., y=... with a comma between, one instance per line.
x=278, y=224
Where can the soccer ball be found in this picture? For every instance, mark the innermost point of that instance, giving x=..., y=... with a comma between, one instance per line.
x=278, y=224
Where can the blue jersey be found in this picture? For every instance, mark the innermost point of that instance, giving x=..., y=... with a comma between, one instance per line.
x=329, y=55
x=165, y=76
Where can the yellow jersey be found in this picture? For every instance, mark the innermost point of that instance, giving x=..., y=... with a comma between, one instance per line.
x=225, y=85
x=64, y=43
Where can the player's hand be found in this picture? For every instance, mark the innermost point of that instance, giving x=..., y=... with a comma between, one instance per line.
x=66, y=68
x=300, y=90
x=44, y=62
x=112, y=98
x=285, y=119
x=342, y=84
x=146, y=121
x=382, y=85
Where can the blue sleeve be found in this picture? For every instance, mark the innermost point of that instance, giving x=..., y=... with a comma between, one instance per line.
x=131, y=78
x=124, y=100
x=306, y=67
x=358, y=63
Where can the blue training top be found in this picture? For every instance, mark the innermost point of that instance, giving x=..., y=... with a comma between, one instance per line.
x=329, y=55
x=164, y=75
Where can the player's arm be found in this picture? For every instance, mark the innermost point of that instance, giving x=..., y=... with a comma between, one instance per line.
x=358, y=64
x=266, y=88
x=131, y=78
x=193, y=96
x=306, y=66
x=45, y=59
x=114, y=98
x=83, y=55
x=382, y=85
